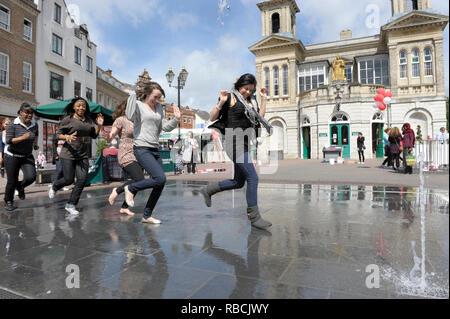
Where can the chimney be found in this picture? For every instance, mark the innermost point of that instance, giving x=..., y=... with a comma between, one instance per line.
x=109, y=71
x=346, y=34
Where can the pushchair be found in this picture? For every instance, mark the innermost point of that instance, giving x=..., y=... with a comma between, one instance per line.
x=179, y=165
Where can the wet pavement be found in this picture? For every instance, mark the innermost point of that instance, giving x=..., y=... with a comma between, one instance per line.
x=322, y=241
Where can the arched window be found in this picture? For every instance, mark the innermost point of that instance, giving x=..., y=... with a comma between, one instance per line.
x=415, y=62
x=428, y=61
x=403, y=62
x=267, y=80
x=285, y=80
x=275, y=23
x=276, y=86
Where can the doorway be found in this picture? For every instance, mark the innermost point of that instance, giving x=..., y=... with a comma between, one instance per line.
x=339, y=136
x=306, y=132
x=377, y=140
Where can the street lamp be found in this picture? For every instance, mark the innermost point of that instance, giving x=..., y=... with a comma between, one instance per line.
x=182, y=77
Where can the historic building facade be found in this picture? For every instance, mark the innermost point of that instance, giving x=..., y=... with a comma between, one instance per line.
x=17, y=55
x=110, y=91
x=406, y=58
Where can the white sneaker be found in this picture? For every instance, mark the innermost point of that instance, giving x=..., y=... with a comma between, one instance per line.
x=16, y=193
x=66, y=189
x=72, y=210
x=151, y=220
x=51, y=193
x=129, y=197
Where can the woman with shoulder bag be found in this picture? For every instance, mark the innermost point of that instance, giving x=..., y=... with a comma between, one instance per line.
x=395, y=139
x=236, y=120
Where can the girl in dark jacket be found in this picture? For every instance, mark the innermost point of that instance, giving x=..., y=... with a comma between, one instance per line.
x=409, y=140
x=395, y=139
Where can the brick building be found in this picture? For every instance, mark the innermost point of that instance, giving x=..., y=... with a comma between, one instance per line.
x=187, y=116
x=17, y=55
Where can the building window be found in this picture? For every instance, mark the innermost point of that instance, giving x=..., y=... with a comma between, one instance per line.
x=412, y=5
x=311, y=77
x=89, y=94
x=428, y=61
x=26, y=83
x=108, y=101
x=5, y=14
x=89, y=63
x=267, y=80
x=4, y=69
x=58, y=13
x=403, y=62
x=275, y=23
x=374, y=71
x=100, y=99
x=77, y=89
x=276, y=86
x=77, y=55
x=415, y=62
x=57, y=44
x=349, y=73
x=189, y=121
x=27, y=30
x=56, y=86
x=285, y=80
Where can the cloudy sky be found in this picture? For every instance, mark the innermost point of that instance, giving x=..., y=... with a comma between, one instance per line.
x=212, y=43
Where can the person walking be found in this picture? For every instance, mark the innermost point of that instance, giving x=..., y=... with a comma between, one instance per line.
x=21, y=139
x=409, y=140
x=127, y=161
x=77, y=128
x=361, y=147
x=238, y=115
x=5, y=123
x=147, y=115
x=395, y=139
x=442, y=136
x=191, y=154
x=387, y=151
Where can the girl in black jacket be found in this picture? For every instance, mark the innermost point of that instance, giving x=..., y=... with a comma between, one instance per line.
x=361, y=148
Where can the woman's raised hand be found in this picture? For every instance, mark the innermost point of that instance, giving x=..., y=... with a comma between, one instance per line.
x=263, y=93
x=100, y=119
x=176, y=111
x=223, y=96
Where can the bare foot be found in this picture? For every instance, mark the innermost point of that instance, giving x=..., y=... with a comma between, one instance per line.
x=113, y=196
x=126, y=211
x=151, y=220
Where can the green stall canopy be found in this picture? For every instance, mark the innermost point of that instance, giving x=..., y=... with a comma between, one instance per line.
x=55, y=111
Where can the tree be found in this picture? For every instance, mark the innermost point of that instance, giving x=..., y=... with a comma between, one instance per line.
x=419, y=135
x=102, y=144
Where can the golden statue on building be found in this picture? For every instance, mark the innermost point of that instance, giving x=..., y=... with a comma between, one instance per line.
x=339, y=69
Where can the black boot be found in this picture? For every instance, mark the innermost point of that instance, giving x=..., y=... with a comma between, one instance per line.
x=208, y=191
x=9, y=206
x=255, y=218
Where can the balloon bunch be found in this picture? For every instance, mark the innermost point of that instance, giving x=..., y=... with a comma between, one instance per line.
x=382, y=99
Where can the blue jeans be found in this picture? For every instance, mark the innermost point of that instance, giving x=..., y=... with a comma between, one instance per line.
x=150, y=160
x=244, y=170
x=59, y=171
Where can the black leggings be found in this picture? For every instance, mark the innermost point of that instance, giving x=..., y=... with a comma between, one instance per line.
x=361, y=154
x=72, y=168
x=134, y=170
x=12, y=166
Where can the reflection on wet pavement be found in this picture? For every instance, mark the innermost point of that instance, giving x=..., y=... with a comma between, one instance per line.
x=322, y=240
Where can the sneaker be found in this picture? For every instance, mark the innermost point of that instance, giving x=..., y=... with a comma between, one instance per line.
x=9, y=206
x=66, y=189
x=71, y=209
x=16, y=193
x=129, y=197
x=151, y=220
x=51, y=193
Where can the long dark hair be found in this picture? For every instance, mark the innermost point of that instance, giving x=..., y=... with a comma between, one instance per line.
x=120, y=110
x=70, y=111
x=245, y=79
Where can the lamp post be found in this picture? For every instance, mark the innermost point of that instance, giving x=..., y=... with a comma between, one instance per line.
x=182, y=77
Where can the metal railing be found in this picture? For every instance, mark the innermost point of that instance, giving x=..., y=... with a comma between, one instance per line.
x=436, y=153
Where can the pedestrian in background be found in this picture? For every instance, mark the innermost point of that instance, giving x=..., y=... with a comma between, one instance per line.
x=409, y=140
x=442, y=136
x=5, y=123
x=57, y=147
x=395, y=139
x=191, y=155
x=387, y=151
x=361, y=147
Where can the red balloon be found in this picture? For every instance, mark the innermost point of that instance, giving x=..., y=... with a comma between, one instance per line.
x=382, y=106
x=389, y=93
x=379, y=98
x=381, y=91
